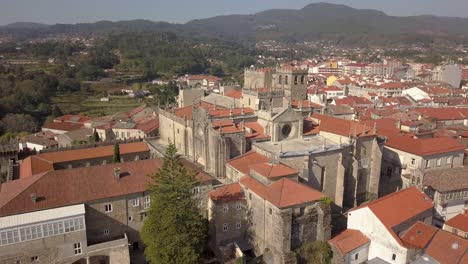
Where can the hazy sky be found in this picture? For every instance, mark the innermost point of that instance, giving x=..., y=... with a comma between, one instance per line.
x=72, y=11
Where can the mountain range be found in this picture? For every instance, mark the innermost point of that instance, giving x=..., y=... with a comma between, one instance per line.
x=318, y=21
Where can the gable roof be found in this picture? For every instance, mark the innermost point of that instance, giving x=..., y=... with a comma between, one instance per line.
x=342, y=127
x=227, y=193
x=425, y=146
x=460, y=221
x=80, y=185
x=398, y=207
x=349, y=240
x=447, y=248
x=445, y=180
x=282, y=193
x=45, y=161
x=63, y=126
x=419, y=235
x=243, y=162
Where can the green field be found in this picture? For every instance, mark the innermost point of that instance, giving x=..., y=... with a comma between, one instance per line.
x=80, y=104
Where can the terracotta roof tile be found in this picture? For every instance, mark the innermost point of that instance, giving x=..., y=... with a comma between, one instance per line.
x=425, y=146
x=227, y=193
x=459, y=221
x=447, y=248
x=419, y=235
x=349, y=240
x=268, y=170
x=235, y=94
x=398, y=207
x=73, y=186
x=342, y=127
x=444, y=180
x=283, y=193
x=243, y=162
x=44, y=161
x=148, y=126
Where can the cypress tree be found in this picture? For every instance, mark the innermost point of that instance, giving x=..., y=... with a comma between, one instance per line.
x=116, y=158
x=174, y=231
x=96, y=136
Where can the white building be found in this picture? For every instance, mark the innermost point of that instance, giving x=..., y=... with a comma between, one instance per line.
x=383, y=222
x=451, y=74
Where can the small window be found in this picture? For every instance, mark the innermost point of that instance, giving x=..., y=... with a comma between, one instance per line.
x=108, y=208
x=238, y=225
x=225, y=208
x=439, y=161
x=449, y=160
x=428, y=163
x=106, y=232
x=356, y=256
x=225, y=227
x=147, y=202
x=393, y=256
x=135, y=202
x=77, y=248
x=238, y=206
x=413, y=161
x=130, y=218
x=271, y=211
x=196, y=190
x=34, y=258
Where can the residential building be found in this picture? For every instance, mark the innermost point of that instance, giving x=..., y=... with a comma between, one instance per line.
x=84, y=157
x=406, y=159
x=115, y=197
x=458, y=225
x=57, y=235
x=384, y=222
x=449, y=190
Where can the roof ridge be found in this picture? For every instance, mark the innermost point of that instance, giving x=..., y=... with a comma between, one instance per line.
x=381, y=199
x=243, y=155
x=41, y=175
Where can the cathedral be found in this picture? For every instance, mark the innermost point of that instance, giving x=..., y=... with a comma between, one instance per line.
x=271, y=115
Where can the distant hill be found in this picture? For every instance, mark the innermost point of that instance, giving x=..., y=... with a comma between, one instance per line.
x=340, y=23
x=26, y=25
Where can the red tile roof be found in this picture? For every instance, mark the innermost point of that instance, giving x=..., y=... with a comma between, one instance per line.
x=447, y=248
x=354, y=101
x=255, y=131
x=188, y=110
x=282, y=193
x=459, y=221
x=148, y=126
x=136, y=110
x=73, y=186
x=63, y=126
x=305, y=104
x=342, y=127
x=235, y=94
x=443, y=113
x=399, y=207
x=424, y=146
x=419, y=235
x=227, y=193
x=268, y=170
x=44, y=161
x=349, y=240
x=243, y=162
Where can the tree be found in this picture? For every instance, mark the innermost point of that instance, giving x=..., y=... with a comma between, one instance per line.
x=19, y=123
x=116, y=158
x=174, y=230
x=317, y=252
x=97, y=139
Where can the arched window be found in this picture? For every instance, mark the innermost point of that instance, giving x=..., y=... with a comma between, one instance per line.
x=286, y=79
x=295, y=79
x=280, y=79
x=302, y=79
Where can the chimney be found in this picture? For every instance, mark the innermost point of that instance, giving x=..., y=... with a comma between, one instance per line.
x=33, y=197
x=117, y=173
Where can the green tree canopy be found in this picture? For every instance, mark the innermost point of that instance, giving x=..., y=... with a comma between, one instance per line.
x=174, y=230
x=116, y=158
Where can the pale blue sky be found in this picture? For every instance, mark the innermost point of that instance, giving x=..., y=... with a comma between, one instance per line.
x=72, y=11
